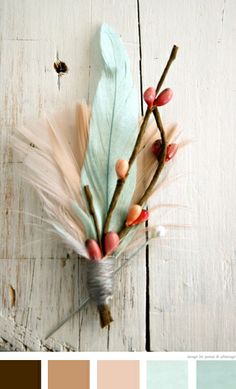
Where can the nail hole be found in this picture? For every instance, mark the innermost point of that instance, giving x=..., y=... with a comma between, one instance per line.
x=60, y=67
x=63, y=262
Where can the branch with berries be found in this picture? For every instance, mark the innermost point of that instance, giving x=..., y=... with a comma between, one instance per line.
x=163, y=152
x=160, y=149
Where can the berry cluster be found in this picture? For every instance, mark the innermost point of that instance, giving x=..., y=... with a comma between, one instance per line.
x=162, y=151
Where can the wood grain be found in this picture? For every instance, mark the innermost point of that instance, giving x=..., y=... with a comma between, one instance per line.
x=192, y=273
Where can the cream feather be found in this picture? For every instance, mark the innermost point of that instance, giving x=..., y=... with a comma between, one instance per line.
x=54, y=162
x=147, y=162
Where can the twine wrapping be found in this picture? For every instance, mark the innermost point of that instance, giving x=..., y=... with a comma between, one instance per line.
x=100, y=280
x=100, y=286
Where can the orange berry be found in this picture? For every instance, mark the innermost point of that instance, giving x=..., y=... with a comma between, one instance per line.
x=122, y=167
x=133, y=214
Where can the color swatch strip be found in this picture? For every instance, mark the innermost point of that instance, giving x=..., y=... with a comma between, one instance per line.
x=118, y=374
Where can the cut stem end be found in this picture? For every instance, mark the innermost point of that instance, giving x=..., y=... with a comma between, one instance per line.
x=105, y=315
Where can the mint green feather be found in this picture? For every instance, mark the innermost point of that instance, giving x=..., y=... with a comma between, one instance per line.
x=113, y=130
x=86, y=220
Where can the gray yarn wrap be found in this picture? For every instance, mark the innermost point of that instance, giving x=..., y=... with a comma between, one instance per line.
x=100, y=280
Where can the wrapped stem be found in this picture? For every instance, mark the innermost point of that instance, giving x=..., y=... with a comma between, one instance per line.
x=100, y=286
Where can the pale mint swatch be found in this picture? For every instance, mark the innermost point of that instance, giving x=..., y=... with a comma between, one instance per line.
x=216, y=375
x=167, y=375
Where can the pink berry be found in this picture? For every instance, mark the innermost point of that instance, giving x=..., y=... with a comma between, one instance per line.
x=144, y=215
x=111, y=242
x=164, y=97
x=171, y=151
x=93, y=249
x=149, y=96
x=156, y=148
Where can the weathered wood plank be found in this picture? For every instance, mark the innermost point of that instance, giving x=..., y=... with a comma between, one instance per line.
x=192, y=282
x=47, y=282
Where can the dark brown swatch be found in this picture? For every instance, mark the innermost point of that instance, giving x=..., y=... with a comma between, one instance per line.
x=68, y=375
x=20, y=374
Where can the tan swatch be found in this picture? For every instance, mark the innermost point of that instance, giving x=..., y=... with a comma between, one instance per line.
x=68, y=375
x=118, y=374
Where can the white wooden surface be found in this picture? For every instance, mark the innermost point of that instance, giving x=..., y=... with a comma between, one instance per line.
x=192, y=273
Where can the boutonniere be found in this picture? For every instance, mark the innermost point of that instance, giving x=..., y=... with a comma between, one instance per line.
x=86, y=166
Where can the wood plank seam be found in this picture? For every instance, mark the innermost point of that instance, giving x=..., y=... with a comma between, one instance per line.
x=147, y=310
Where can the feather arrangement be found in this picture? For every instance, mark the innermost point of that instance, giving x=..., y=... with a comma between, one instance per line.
x=89, y=167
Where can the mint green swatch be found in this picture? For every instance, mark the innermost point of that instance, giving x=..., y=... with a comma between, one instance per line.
x=167, y=375
x=216, y=374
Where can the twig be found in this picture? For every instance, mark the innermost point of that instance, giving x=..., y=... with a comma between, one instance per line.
x=157, y=173
x=161, y=163
x=92, y=212
x=120, y=182
x=105, y=315
x=165, y=71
